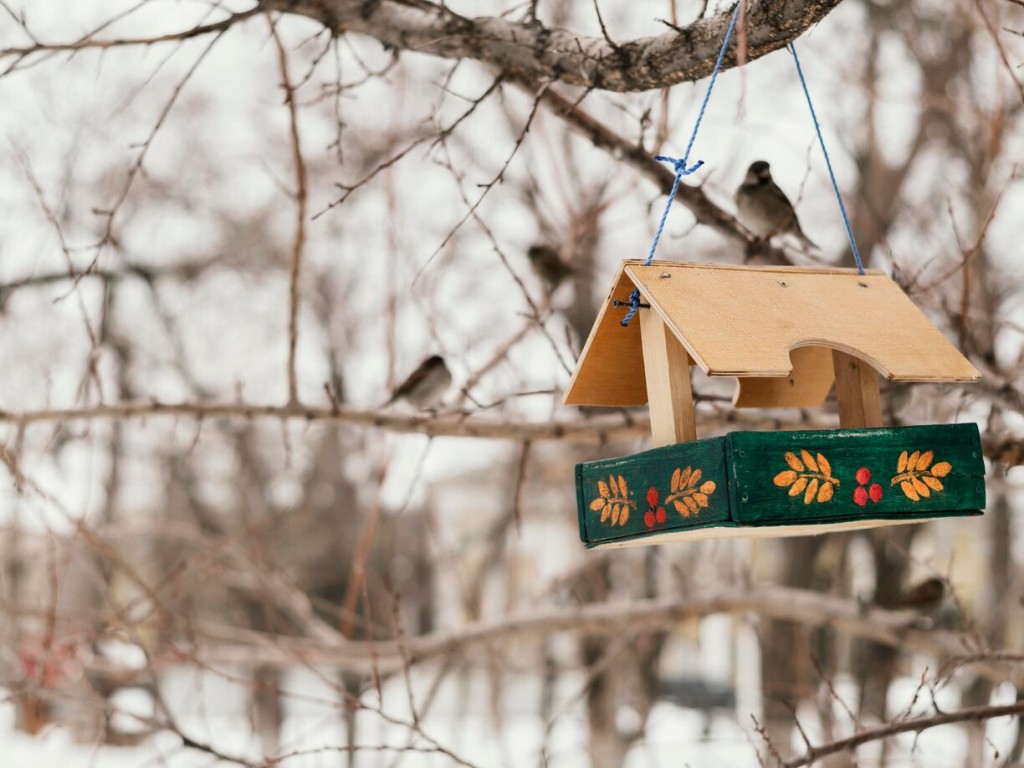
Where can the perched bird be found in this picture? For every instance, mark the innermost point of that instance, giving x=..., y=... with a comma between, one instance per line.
x=764, y=209
x=426, y=385
x=925, y=597
x=548, y=264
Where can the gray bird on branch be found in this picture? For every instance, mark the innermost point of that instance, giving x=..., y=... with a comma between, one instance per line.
x=547, y=262
x=764, y=209
x=425, y=386
x=925, y=597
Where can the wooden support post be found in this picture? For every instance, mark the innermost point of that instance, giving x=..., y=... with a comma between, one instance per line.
x=860, y=404
x=669, y=396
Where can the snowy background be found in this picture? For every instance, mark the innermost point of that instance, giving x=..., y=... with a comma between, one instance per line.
x=147, y=215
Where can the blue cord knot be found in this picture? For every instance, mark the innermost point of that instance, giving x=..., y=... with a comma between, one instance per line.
x=634, y=307
x=681, y=169
x=679, y=164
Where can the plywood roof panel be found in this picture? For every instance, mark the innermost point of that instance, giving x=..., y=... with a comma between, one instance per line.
x=610, y=370
x=745, y=321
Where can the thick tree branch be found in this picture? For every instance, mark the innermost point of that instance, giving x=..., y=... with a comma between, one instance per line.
x=912, y=725
x=530, y=51
x=597, y=430
x=221, y=644
x=1008, y=450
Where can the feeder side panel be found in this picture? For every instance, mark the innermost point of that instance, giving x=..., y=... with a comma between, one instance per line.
x=793, y=478
x=677, y=487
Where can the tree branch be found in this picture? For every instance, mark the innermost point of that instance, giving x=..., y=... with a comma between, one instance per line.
x=597, y=430
x=1008, y=451
x=89, y=41
x=894, y=628
x=531, y=51
x=603, y=137
x=913, y=725
x=301, y=196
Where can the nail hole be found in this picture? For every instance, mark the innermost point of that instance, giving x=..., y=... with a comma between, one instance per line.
x=783, y=284
x=863, y=285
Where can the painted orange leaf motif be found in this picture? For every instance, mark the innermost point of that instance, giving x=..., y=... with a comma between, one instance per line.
x=808, y=475
x=688, y=495
x=912, y=461
x=824, y=466
x=917, y=477
x=785, y=478
x=812, y=490
x=809, y=460
x=794, y=462
x=825, y=492
x=612, y=500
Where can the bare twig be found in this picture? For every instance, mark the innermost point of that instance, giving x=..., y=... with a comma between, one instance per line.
x=89, y=41
x=1003, y=57
x=485, y=189
x=499, y=354
x=603, y=137
x=597, y=430
x=911, y=725
x=301, y=193
x=357, y=576
x=137, y=166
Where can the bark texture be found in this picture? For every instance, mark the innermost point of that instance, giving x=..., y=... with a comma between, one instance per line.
x=529, y=50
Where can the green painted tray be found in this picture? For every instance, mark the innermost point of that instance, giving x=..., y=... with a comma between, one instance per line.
x=781, y=484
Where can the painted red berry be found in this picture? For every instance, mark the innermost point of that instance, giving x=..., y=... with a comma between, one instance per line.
x=875, y=492
x=660, y=514
x=649, y=518
x=863, y=475
x=860, y=496
x=652, y=496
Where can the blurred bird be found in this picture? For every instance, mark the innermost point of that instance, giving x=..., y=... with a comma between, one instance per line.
x=925, y=597
x=548, y=264
x=425, y=386
x=764, y=209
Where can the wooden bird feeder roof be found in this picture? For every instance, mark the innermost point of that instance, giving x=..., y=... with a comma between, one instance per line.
x=774, y=328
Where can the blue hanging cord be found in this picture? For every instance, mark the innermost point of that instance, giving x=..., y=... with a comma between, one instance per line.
x=679, y=164
x=828, y=162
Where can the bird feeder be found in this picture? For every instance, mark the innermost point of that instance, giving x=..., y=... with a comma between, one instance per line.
x=787, y=334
